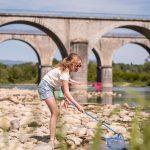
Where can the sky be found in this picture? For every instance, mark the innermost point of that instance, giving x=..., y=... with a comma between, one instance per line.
x=16, y=50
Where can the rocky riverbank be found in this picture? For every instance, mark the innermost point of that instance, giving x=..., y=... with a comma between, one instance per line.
x=24, y=122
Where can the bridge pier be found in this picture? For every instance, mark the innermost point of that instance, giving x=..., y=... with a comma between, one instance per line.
x=80, y=48
x=107, y=79
x=43, y=69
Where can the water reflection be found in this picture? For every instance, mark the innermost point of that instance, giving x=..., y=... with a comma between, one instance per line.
x=131, y=94
x=123, y=95
x=101, y=100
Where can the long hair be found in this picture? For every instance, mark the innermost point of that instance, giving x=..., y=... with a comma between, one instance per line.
x=67, y=62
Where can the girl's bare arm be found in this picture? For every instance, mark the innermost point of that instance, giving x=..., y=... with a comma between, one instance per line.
x=74, y=82
x=65, y=88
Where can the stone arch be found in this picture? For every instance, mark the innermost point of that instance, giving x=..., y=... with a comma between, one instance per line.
x=98, y=60
x=46, y=30
x=107, y=56
x=140, y=28
x=97, y=56
x=143, y=30
x=141, y=43
x=36, y=52
x=144, y=46
x=132, y=42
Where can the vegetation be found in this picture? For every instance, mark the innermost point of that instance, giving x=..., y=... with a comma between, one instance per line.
x=135, y=75
x=92, y=71
x=129, y=73
x=23, y=73
x=140, y=131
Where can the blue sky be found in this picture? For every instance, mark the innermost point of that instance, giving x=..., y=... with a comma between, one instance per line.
x=15, y=50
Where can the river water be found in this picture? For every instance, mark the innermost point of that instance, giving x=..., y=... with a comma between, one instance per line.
x=130, y=95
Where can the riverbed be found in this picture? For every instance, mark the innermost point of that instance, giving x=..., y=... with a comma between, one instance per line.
x=130, y=95
x=22, y=113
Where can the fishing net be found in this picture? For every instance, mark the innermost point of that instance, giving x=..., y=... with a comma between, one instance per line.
x=116, y=142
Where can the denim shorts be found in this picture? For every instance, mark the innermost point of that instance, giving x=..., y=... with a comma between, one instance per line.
x=45, y=90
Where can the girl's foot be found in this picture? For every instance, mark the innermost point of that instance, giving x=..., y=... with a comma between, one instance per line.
x=55, y=143
x=52, y=145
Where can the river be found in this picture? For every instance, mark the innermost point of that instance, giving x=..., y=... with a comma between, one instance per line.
x=123, y=94
x=130, y=95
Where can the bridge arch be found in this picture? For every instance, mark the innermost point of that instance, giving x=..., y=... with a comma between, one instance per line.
x=46, y=30
x=97, y=56
x=135, y=26
x=36, y=52
x=107, y=48
x=43, y=54
x=98, y=61
x=141, y=43
x=142, y=30
x=144, y=46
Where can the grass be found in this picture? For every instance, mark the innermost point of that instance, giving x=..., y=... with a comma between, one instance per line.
x=140, y=132
x=96, y=138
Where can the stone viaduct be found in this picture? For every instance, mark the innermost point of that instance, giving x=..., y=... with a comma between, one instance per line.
x=77, y=34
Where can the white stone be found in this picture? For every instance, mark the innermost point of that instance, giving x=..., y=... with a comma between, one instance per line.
x=5, y=123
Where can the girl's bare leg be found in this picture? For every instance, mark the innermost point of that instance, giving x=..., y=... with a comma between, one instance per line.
x=51, y=103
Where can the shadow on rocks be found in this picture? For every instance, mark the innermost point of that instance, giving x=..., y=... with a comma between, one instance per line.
x=44, y=138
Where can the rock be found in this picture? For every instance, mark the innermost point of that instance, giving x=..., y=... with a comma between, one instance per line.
x=126, y=118
x=77, y=141
x=126, y=105
x=123, y=112
x=119, y=129
x=12, y=146
x=72, y=130
x=15, y=124
x=33, y=124
x=115, y=118
x=91, y=125
x=145, y=114
x=107, y=112
x=131, y=114
x=71, y=120
x=108, y=135
x=81, y=132
x=5, y=124
x=23, y=138
x=65, y=129
x=90, y=134
x=43, y=146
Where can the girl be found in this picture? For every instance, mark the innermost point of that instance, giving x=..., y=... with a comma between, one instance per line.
x=55, y=78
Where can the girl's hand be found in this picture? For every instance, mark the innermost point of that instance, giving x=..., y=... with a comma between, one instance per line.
x=64, y=104
x=82, y=83
x=80, y=108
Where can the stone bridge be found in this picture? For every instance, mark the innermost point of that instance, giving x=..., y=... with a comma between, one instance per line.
x=82, y=35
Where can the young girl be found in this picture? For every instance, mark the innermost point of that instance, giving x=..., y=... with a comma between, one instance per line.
x=55, y=78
